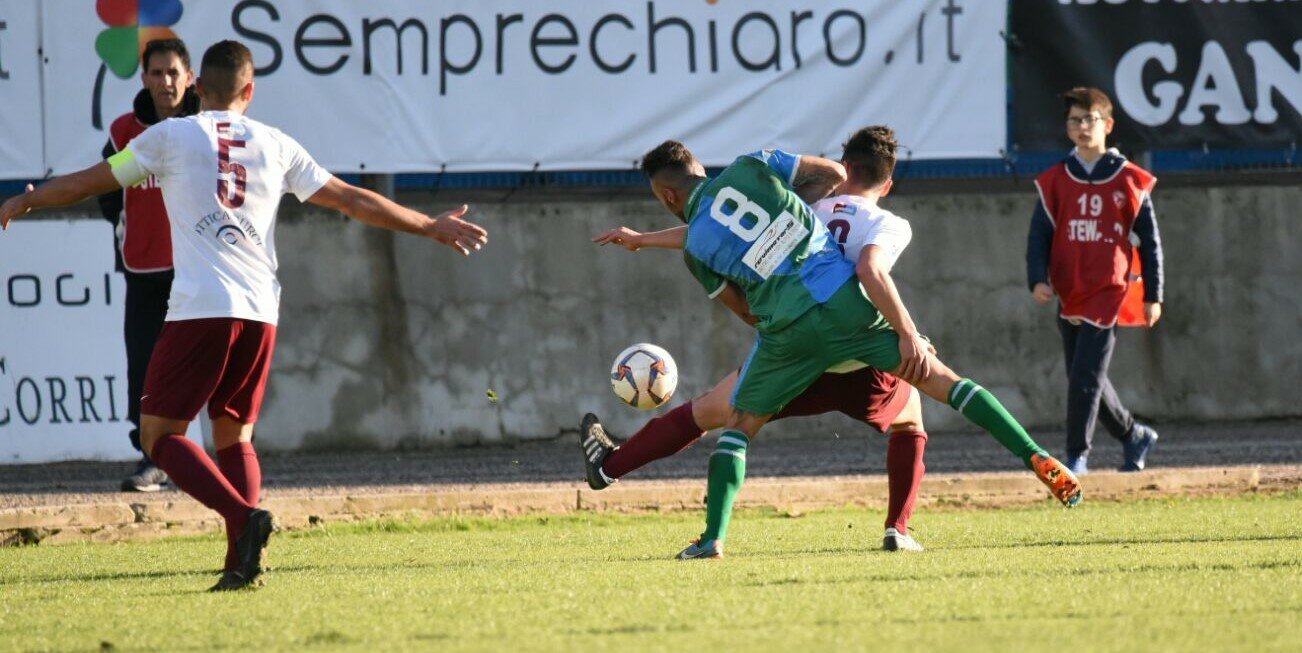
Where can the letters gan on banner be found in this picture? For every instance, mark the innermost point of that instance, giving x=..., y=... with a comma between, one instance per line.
x=1182, y=75
x=465, y=85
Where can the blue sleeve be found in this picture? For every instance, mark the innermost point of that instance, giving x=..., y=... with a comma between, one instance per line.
x=1150, y=250
x=1038, y=243
x=783, y=163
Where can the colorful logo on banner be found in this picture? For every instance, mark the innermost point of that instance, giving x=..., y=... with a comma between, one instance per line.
x=132, y=24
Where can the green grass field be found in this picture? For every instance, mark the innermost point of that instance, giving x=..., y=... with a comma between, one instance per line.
x=1169, y=575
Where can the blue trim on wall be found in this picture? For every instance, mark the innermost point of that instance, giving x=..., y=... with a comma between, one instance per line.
x=1022, y=164
x=1227, y=160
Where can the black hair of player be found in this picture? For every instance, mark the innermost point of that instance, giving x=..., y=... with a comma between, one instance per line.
x=871, y=154
x=222, y=71
x=669, y=156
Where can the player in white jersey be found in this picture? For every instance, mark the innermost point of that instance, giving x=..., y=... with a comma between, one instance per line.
x=873, y=238
x=222, y=176
x=856, y=222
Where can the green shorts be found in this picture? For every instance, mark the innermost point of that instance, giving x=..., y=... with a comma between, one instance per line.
x=784, y=363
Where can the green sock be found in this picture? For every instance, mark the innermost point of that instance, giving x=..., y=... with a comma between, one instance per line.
x=981, y=408
x=727, y=472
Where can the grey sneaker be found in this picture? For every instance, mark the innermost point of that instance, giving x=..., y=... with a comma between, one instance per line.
x=596, y=445
x=699, y=550
x=147, y=478
x=897, y=541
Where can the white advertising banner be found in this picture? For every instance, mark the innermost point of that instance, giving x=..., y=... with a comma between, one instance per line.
x=20, y=91
x=63, y=381
x=63, y=366
x=466, y=85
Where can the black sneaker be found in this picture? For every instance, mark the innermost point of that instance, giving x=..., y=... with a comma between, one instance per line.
x=596, y=446
x=233, y=580
x=251, y=547
x=147, y=478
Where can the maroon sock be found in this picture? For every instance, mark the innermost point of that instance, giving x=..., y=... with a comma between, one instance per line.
x=190, y=469
x=239, y=464
x=904, y=470
x=661, y=437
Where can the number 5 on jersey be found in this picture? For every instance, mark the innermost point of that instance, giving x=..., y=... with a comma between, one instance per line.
x=231, y=195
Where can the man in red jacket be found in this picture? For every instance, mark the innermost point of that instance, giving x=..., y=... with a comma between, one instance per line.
x=144, y=242
x=1092, y=233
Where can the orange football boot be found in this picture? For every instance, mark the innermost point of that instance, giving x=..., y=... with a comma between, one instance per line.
x=1060, y=481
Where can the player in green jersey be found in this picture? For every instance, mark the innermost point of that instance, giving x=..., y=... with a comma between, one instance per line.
x=754, y=243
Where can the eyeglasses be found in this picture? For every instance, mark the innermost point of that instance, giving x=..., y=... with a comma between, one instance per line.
x=1084, y=121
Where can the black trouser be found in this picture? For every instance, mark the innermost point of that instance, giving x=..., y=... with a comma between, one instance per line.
x=1090, y=396
x=142, y=321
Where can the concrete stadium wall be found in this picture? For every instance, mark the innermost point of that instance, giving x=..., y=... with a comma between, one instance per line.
x=388, y=341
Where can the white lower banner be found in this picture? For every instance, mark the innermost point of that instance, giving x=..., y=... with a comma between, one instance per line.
x=465, y=85
x=63, y=365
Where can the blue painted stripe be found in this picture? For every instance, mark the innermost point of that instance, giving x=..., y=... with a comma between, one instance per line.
x=1021, y=164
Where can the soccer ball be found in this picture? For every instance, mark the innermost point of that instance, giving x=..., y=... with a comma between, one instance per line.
x=644, y=376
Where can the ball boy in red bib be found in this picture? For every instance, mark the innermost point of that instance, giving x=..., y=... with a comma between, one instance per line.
x=1094, y=243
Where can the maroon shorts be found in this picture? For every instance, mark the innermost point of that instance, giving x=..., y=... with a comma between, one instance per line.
x=219, y=361
x=868, y=395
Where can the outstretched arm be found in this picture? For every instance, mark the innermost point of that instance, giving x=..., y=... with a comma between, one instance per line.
x=61, y=191
x=817, y=177
x=874, y=273
x=377, y=210
x=631, y=240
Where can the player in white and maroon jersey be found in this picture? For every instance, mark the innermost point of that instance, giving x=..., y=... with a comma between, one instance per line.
x=223, y=175
x=857, y=222
x=872, y=396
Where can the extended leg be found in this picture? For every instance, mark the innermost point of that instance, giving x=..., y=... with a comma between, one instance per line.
x=984, y=410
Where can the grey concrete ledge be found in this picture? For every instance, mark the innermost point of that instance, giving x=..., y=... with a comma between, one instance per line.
x=141, y=520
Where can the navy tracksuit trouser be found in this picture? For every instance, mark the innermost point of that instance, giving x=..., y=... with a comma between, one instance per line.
x=142, y=321
x=1090, y=396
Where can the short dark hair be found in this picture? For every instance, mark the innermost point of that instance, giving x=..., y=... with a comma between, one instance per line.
x=1087, y=98
x=871, y=150
x=222, y=70
x=669, y=156
x=157, y=46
